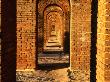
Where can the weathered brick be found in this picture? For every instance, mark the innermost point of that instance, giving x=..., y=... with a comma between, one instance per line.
x=26, y=34
x=80, y=32
x=103, y=42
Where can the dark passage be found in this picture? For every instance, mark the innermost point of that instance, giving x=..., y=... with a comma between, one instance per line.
x=93, y=40
x=53, y=66
x=8, y=40
x=53, y=61
x=67, y=43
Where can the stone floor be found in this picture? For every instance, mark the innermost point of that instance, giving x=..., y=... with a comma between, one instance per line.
x=53, y=43
x=53, y=58
x=52, y=68
x=59, y=75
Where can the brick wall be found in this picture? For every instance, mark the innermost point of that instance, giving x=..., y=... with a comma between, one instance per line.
x=26, y=34
x=80, y=36
x=103, y=41
x=107, y=42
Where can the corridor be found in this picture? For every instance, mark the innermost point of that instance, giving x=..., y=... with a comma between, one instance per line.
x=53, y=44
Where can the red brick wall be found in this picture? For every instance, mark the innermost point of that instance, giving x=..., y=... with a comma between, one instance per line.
x=26, y=34
x=103, y=42
x=80, y=35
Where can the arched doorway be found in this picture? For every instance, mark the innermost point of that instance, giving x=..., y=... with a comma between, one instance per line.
x=53, y=31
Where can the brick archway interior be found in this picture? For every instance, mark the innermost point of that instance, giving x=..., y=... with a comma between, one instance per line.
x=59, y=14
x=80, y=34
x=54, y=22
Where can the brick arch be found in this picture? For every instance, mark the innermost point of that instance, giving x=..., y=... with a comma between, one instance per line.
x=42, y=6
x=53, y=8
x=48, y=10
x=57, y=17
x=64, y=4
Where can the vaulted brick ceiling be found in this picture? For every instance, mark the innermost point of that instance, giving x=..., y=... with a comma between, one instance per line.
x=64, y=4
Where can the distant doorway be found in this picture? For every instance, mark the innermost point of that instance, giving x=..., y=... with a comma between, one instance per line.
x=53, y=37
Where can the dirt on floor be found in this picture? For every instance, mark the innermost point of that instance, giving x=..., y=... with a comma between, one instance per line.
x=52, y=68
x=57, y=75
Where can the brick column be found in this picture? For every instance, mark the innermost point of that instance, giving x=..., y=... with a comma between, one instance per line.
x=107, y=42
x=103, y=41
x=80, y=36
x=26, y=34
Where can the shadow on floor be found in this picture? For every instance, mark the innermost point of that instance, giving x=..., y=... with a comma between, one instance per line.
x=53, y=66
x=52, y=54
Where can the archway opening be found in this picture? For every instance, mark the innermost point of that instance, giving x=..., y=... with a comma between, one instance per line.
x=53, y=37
